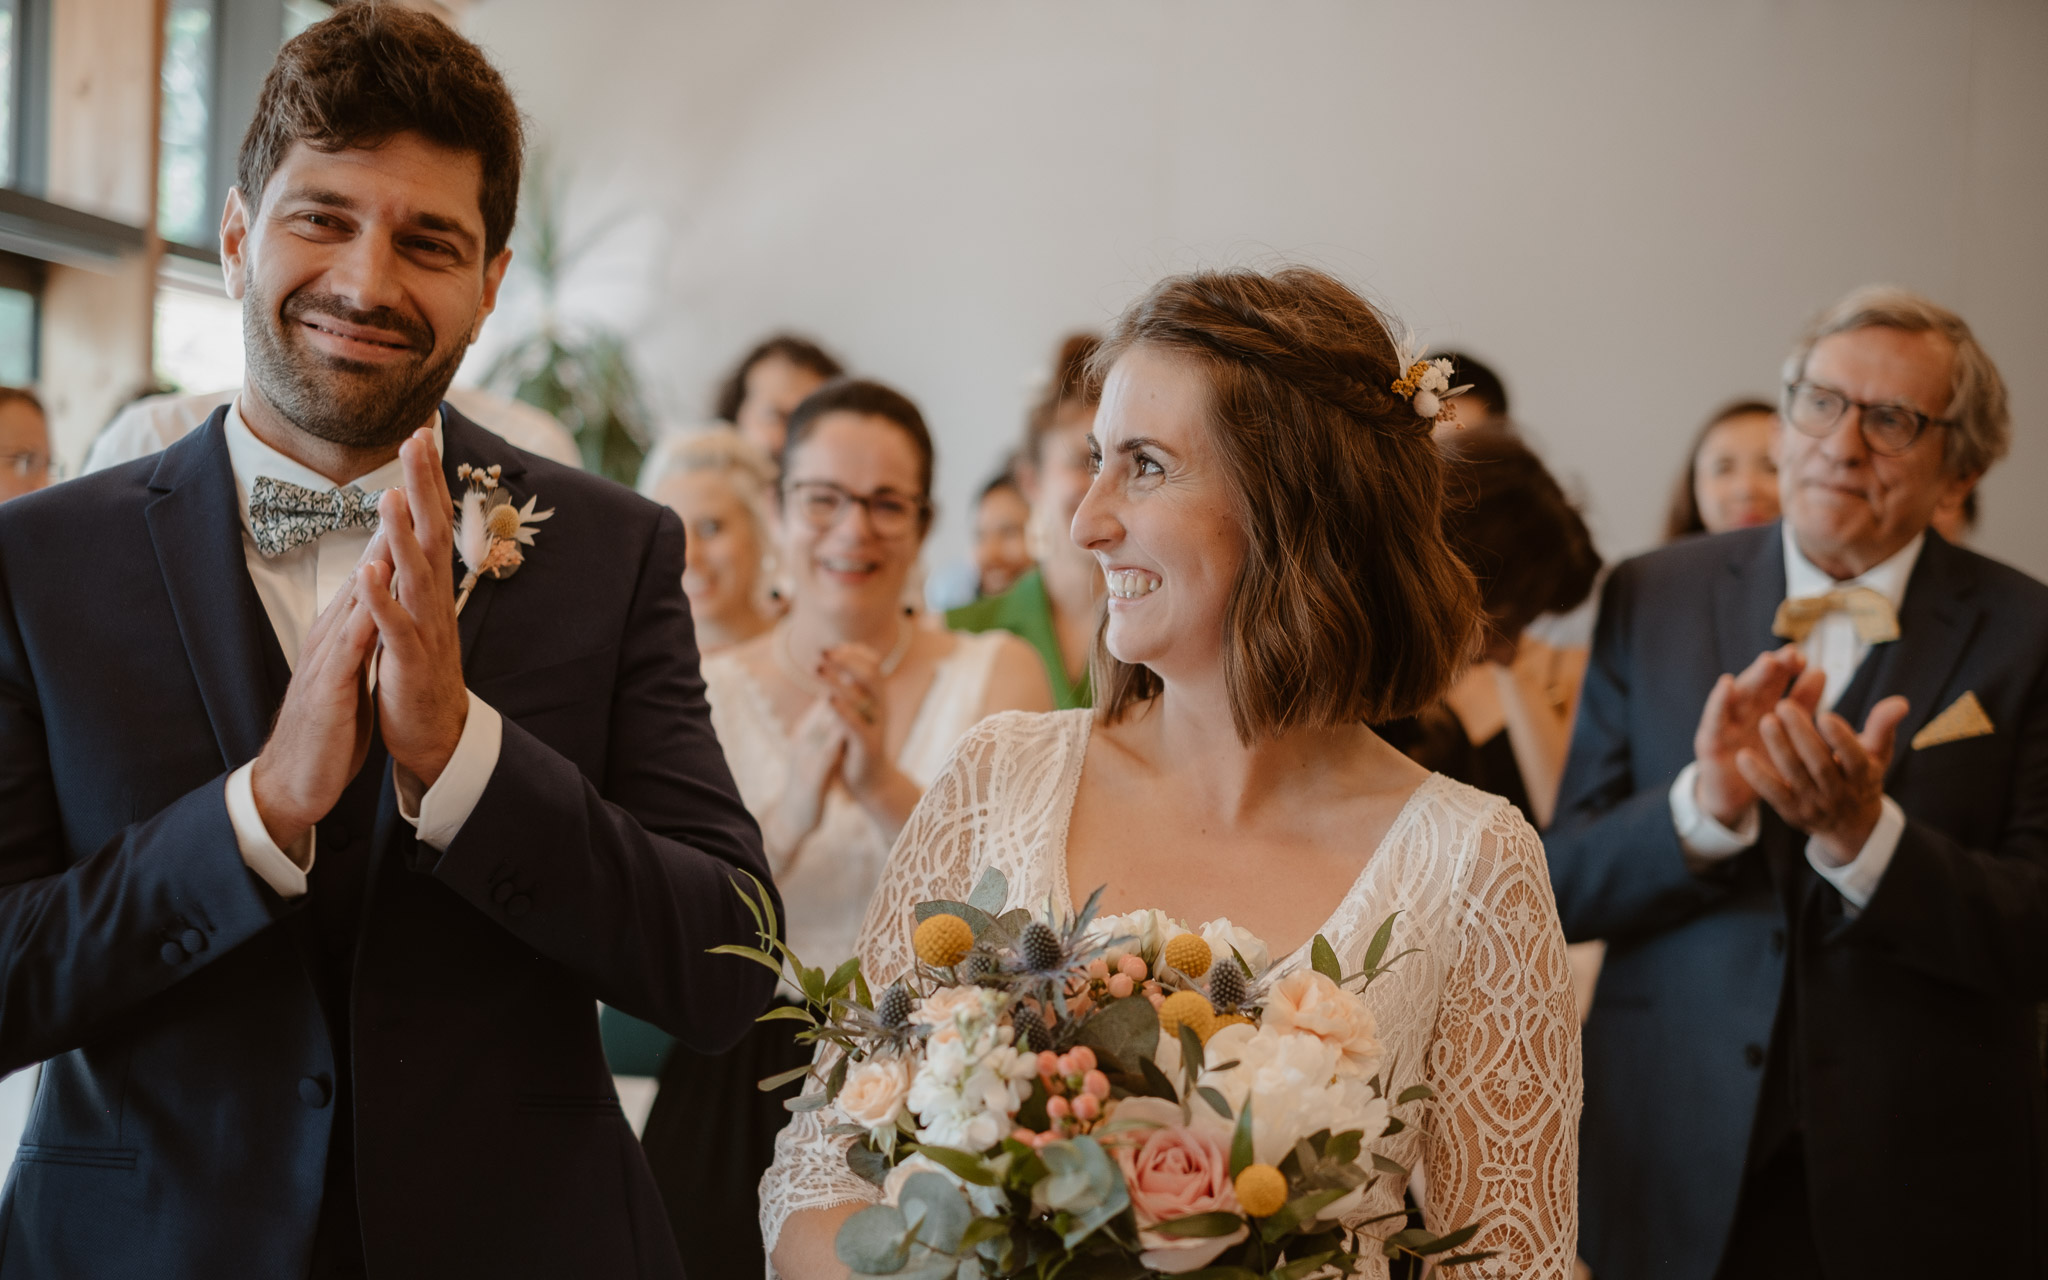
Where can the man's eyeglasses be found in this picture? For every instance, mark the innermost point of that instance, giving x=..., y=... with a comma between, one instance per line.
x=822, y=504
x=1889, y=429
x=29, y=463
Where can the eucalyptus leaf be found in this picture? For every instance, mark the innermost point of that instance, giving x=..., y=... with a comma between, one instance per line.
x=759, y=957
x=805, y=1102
x=780, y=1078
x=1384, y=1165
x=1216, y=1101
x=1303, y=1268
x=1008, y=927
x=945, y=1211
x=1465, y=1259
x=978, y=920
x=867, y=1164
x=1415, y=1092
x=1122, y=1033
x=789, y=1013
x=875, y=1241
x=990, y=891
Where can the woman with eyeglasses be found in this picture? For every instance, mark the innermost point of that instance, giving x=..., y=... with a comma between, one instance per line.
x=834, y=721
x=24, y=443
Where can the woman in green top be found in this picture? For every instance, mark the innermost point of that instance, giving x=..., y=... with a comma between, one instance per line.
x=1057, y=606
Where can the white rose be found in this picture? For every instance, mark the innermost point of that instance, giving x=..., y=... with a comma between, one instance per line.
x=1294, y=1083
x=1222, y=936
x=876, y=1092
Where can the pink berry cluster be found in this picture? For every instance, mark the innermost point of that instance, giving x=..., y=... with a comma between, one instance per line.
x=1104, y=982
x=1079, y=1092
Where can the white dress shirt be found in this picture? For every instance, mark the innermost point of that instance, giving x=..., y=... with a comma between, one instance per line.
x=1834, y=647
x=294, y=587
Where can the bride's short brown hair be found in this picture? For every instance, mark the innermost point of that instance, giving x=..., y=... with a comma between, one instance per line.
x=1350, y=606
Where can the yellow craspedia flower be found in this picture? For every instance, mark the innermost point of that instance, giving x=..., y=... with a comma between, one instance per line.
x=1190, y=1009
x=1189, y=954
x=1261, y=1190
x=943, y=940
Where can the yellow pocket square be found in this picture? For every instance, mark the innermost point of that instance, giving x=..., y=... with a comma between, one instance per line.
x=1964, y=718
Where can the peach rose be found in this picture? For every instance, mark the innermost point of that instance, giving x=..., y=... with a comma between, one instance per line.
x=1307, y=1001
x=1175, y=1172
x=875, y=1091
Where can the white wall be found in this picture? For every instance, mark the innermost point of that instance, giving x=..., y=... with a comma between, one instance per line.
x=1628, y=209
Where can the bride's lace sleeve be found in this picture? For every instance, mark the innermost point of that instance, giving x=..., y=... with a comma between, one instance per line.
x=936, y=856
x=1505, y=1066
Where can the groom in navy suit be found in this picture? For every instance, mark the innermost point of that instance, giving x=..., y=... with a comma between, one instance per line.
x=310, y=885
x=1807, y=806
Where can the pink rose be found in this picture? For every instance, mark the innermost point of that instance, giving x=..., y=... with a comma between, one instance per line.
x=875, y=1092
x=1307, y=1001
x=1174, y=1172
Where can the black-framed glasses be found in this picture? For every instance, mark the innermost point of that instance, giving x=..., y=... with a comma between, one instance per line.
x=823, y=504
x=1889, y=429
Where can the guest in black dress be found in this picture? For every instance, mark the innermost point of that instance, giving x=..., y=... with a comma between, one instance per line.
x=1506, y=723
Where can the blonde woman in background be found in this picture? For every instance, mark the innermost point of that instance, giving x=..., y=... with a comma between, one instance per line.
x=722, y=485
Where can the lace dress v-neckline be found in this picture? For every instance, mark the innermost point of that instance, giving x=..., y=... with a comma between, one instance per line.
x=1061, y=845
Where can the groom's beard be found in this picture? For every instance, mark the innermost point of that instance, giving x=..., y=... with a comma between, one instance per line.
x=346, y=402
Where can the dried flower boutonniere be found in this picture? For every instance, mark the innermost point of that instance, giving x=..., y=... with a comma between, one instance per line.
x=489, y=530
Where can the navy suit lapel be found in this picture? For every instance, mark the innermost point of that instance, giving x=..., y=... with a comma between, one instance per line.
x=464, y=441
x=196, y=527
x=1746, y=596
x=1936, y=621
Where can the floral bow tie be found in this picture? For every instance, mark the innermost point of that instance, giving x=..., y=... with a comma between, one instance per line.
x=283, y=515
x=1875, y=621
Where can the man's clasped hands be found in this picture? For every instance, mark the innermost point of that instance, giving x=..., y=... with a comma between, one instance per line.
x=1762, y=736
x=401, y=599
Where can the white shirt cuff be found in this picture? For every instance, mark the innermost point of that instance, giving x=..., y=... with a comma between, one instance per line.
x=1857, y=879
x=1705, y=840
x=259, y=852
x=437, y=816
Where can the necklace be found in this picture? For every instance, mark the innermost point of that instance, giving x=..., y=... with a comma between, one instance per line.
x=905, y=633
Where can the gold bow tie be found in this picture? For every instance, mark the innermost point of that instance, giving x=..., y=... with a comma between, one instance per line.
x=1875, y=621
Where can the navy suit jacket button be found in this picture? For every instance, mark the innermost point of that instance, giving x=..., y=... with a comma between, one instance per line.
x=314, y=1091
x=1753, y=1054
x=193, y=941
x=501, y=891
x=518, y=906
x=172, y=953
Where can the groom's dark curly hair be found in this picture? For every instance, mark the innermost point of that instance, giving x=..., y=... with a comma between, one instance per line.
x=372, y=72
x=1351, y=606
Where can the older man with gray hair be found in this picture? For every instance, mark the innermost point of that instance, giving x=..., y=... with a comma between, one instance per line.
x=1807, y=806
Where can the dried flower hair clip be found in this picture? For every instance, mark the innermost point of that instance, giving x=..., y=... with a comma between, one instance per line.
x=1427, y=385
x=489, y=530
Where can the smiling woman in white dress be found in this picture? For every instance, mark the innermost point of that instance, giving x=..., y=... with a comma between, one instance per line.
x=1267, y=512
x=834, y=721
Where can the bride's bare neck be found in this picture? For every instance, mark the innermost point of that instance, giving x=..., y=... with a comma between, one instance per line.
x=1186, y=738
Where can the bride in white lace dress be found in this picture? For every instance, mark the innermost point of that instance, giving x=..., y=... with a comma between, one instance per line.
x=1267, y=512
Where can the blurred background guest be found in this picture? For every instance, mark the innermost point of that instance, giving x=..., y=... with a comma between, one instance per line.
x=1731, y=475
x=24, y=443
x=723, y=486
x=1001, y=551
x=769, y=382
x=1485, y=404
x=1056, y=606
x=834, y=721
x=1505, y=724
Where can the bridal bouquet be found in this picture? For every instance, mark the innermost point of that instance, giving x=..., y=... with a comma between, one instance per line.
x=1102, y=1097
